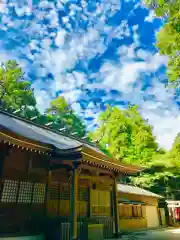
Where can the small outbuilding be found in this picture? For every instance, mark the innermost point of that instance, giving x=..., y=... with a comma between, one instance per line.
x=138, y=208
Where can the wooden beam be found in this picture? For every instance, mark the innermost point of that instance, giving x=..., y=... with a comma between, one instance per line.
x=96, y=178
x=61, y=164
x=95, y=169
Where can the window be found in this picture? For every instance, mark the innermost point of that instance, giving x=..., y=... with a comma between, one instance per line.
x=25, y=192
x=9, y=193
x=64, y=192
x=101, y=203
x=83, y=194
x=39, y=193
x=130, y=211
x=54, y=192
x=137, y=211
x=83, y=197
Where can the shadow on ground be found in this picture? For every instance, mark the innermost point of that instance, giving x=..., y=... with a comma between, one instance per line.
x=163, y=234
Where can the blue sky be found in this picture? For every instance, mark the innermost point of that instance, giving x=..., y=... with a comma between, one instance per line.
x=93, y=53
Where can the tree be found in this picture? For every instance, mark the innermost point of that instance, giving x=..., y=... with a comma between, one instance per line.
x=14, y=91
x=173, y=156
x=163, y=175
x=126, y=135
x=62, y=115
x=168, y=38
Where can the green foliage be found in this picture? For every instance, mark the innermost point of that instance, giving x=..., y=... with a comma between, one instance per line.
x=163, y=174
x=168, y=38
x=173, y=156
x=162, y=181
x=14, y=91
x=63, y=116
x=126, y=135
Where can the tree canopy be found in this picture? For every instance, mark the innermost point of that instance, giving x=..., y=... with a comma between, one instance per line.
x=168, y=38
x=163, y=174
x=15, y=92
x=126, y=135
x=62, y=114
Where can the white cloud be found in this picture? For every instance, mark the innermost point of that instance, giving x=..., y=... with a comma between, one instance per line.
x=122, y=76
x=166, y=126
x=145, y=55
x=42, y=99
x=150, y=17
x=71, y=96
x=60, y=38
x=163, y=114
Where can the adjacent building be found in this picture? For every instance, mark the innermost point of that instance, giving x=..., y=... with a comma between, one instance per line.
x=138, y=208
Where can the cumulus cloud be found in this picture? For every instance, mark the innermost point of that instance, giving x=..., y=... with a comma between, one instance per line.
x=150, y=17
x=123, y=74
x=84, y=48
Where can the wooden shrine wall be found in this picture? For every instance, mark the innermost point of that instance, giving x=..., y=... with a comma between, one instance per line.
x=22, y=192
x=23, y=186
x=59, y=195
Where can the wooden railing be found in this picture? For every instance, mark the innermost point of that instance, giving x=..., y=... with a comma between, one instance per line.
x=108, y=226
x=65, y=228
x=65, y=231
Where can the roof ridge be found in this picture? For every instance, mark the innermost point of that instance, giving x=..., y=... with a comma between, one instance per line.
x=47, y=128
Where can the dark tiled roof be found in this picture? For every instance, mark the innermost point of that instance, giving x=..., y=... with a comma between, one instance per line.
x=37, y=133
x=136, y=190
x=43, y=135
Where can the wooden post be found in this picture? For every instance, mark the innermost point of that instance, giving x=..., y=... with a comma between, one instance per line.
x=4, y=151
x=74, y=203
x=115, y=207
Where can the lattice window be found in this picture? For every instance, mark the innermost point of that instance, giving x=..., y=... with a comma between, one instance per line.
x=10, y=190
x=64, y=192
x=54, y=192
x=83, y=194
x=100, y=203
x=39, y=193
x=25, y=192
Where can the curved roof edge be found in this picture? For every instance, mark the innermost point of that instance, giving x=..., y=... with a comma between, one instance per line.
x=20, y=131
x=94, y=156
x=28, y=134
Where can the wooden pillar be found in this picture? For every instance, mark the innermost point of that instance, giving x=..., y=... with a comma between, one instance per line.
x=74, y=199
x=4, y=150
x=115, y=207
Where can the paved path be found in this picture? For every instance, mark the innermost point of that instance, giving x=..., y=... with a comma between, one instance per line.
x=162, y=234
